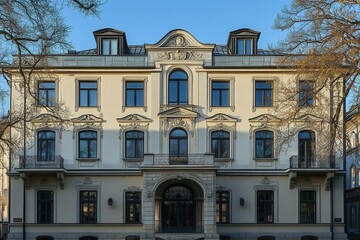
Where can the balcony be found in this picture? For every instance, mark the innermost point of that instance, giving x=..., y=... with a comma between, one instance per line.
x=34, y=165
x=167, y=159
x=34, y=162
x=321, y=162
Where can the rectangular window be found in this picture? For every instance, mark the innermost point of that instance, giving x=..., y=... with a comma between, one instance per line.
x=88, y=206
x=133, y=207
x=222, y=206
x=220, y=94
x=306, y=93
x=134, y=94
x=265, y=206
x=47, y=95
x=263, y=94
x=109, y=46
x=88, y=94
x=45, y=207
x=307, y=207
x=244, y=47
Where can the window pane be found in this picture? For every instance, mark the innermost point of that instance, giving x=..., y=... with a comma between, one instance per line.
x=83, y=98
x=88, y=85
x=259, y=149
x=183, y=147
x=114, y=46
x=173, y=92
x=51, y=98
x=178, y=133
x=183, y=92
x=240, y=47
x=225, y=98
x=248, y=47
x=268, y=148
x=178, y=75
x=93, y=148
x=83, y=149
x=225, y=147
x=87, y=134
x=268, y=98
x=215, y=98
x=139, y=98
x=93, y=98
x=130, y=97
x=139, y=149
x=105, y=47
x=134, y=85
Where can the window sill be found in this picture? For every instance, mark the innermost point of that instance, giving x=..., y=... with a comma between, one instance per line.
x=232, y=108
x=223, y=159
x=265, y=159
x=88, y=159
x=133, y=159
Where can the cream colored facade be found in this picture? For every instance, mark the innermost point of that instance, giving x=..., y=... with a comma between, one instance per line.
x=197, y=179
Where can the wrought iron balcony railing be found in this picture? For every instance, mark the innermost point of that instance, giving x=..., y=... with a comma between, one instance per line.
x=37, y=162
x=168, y=159
x=186, y=227
x=314, y=162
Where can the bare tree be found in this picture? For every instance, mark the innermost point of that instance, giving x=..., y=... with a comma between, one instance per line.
x=323, y=45
x=31, y=31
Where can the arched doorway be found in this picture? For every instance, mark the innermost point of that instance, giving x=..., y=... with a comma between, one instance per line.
x=179, y=206
x=178, y=209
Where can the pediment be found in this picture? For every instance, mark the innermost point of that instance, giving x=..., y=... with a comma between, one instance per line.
x=309, y=118
x=87, y=118
x=220, y=117
x=133, y=118
x=264, y=118
x=178, y=38
x=179, y=112
x=46, y=117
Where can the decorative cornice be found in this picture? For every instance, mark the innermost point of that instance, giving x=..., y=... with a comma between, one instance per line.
x=221, y=117
x=133, y=118
x=264, y=118
x=87, y=118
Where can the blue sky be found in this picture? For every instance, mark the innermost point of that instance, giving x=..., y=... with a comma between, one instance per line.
x=147, y=21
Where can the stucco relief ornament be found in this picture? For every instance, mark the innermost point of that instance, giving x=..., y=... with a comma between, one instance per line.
x=179, y=55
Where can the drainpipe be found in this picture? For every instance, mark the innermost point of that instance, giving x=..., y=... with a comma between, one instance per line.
x=332, y=160
x=344, y=157
x=24, y=161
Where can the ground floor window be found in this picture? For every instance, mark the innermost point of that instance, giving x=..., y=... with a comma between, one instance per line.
x=265, y=206
x=307, y=207
x=133, y=207
x=88, y=207
x=45, y=206
x=222, y=206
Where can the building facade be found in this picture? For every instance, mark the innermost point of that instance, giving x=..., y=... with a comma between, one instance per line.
x=173, y=140
x=352, y=199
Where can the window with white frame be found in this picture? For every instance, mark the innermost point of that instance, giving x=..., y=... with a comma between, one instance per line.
x=220, y=144
x=87, y=144
x=45, y=145
x=134, y=144
x=264, y=144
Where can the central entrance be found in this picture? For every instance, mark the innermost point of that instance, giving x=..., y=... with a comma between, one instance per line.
x=178, y=209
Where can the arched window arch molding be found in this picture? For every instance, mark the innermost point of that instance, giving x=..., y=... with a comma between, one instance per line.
x=189, y=74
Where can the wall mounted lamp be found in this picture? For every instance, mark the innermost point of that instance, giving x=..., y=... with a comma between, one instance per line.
x=110, y=202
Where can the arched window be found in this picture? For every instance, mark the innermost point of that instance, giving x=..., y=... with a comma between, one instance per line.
x=46, y=146
x=353, y=176
x=220, y=144
x=353, y=140
x=306, y=145
x=178, y=146
x=264, y=144
x=88, y=144
x=178, y=88
x=134, y=144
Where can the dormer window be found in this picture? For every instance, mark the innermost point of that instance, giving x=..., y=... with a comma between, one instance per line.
x=109, y=46
x=243, y=42
x=110, y=42
x=244, y=46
